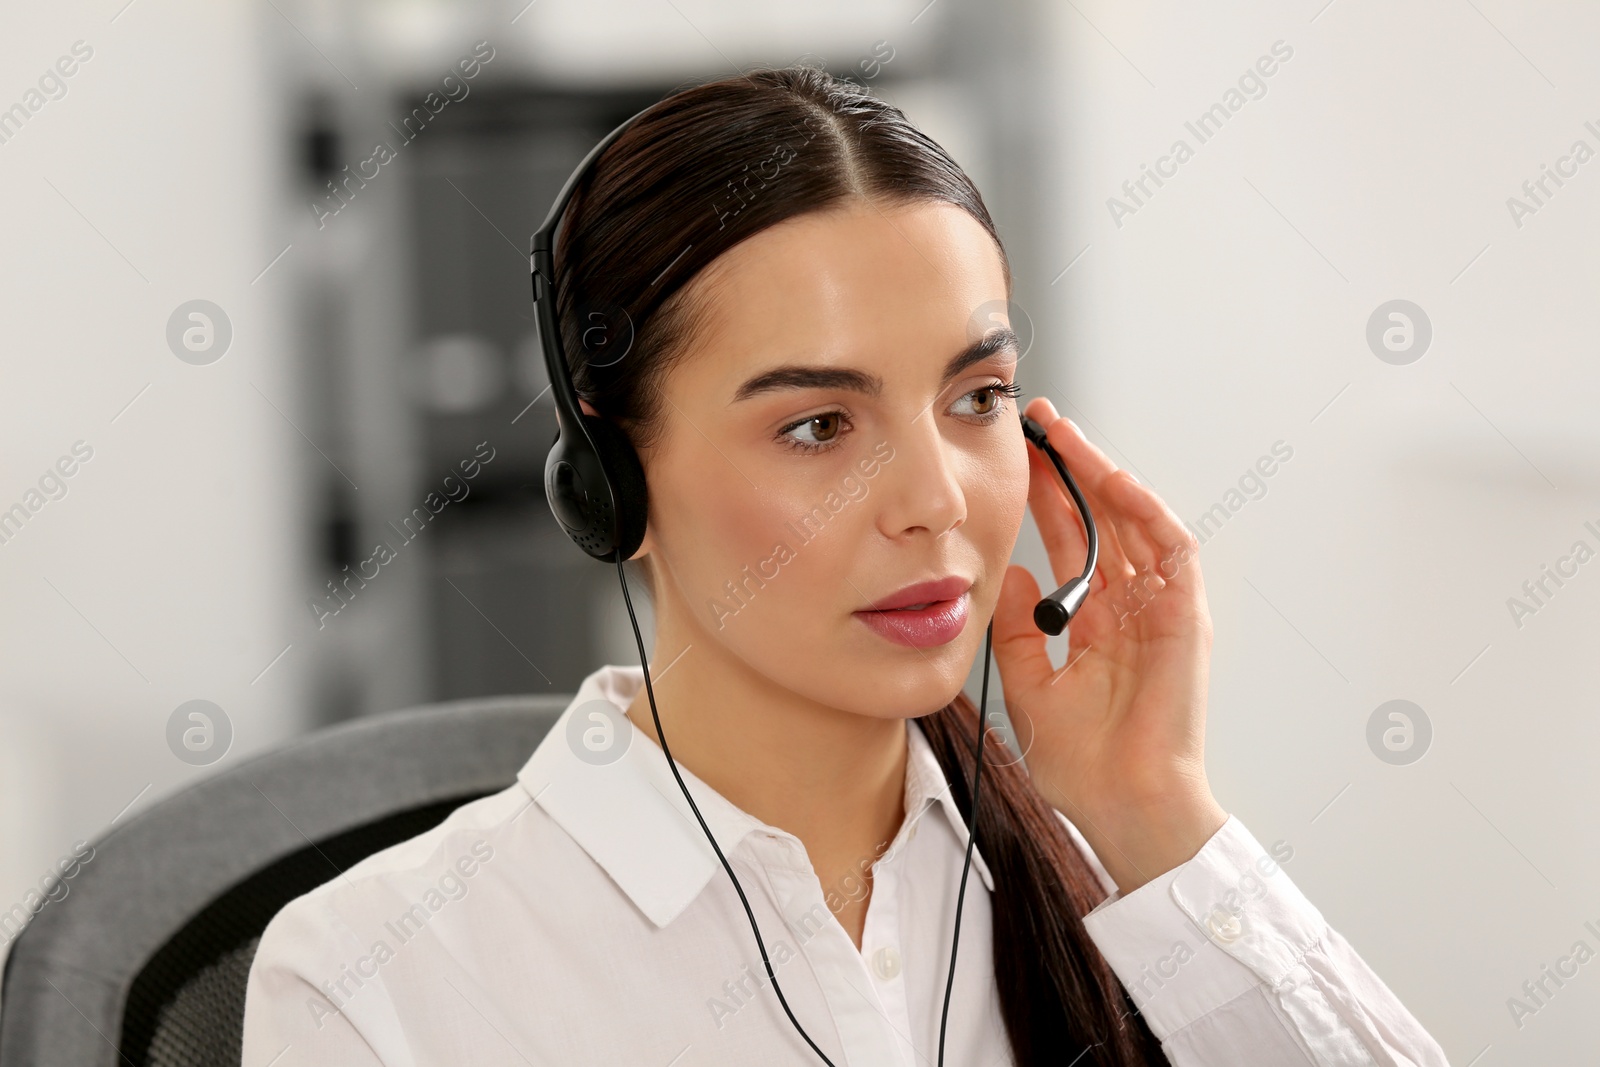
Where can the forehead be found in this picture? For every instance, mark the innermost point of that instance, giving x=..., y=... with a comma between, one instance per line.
x=868, y=283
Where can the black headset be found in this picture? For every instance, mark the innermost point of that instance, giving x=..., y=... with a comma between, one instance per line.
x=595, y=484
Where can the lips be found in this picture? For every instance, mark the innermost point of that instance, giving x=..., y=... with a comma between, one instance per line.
x=923, y=615
x=924, y=593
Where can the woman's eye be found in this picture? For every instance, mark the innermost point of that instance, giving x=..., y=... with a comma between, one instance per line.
x=992, y=396
x=992, y=400
x=818, y=430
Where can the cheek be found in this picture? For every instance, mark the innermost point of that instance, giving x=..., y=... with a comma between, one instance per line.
x=749, y=526
x=1000, y=489
x=717, y=526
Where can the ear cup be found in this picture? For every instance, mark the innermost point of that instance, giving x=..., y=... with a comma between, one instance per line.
x=626, y=472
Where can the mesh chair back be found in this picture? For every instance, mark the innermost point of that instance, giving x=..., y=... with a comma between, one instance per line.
x=144, y=962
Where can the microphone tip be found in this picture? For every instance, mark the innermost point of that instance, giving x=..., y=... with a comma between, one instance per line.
x=1050, y=616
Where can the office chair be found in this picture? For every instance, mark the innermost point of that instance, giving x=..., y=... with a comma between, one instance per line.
x=144, y=962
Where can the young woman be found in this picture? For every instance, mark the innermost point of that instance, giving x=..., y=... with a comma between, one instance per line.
x=836, y=478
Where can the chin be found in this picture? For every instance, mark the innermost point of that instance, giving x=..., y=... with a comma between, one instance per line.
x=898, y=683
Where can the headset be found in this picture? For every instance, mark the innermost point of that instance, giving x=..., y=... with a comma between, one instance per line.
x=595, y=485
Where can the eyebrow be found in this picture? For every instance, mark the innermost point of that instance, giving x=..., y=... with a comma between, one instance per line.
x=799, y=376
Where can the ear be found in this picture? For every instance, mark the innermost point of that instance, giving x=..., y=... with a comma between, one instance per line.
x=586, y=407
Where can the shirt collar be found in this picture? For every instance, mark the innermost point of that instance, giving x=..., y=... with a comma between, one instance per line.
x=630, y=816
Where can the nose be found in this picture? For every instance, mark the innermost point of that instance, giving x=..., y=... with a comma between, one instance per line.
x=921, y=489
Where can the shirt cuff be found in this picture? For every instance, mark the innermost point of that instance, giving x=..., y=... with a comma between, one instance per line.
x=1195, y=937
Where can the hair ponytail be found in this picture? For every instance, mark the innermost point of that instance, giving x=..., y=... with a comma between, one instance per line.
x=700, y=171
x=1058, y=995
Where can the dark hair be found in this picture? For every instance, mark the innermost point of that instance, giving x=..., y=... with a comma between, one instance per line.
x=698, y=172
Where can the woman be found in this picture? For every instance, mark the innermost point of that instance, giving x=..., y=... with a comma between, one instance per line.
x=836, y=481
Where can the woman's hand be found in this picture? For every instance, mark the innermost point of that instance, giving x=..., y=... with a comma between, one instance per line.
x=1115, y=737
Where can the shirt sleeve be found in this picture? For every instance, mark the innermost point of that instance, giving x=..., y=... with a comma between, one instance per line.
x=1230, y=963
x=288, y=1020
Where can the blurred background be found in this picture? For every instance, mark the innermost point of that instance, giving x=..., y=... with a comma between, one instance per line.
x=1322, y=273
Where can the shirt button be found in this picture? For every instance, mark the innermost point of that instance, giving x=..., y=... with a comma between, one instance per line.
x=1224, y=926
x=886, y=962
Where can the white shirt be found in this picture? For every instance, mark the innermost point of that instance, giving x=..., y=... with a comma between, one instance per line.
x=580, y=917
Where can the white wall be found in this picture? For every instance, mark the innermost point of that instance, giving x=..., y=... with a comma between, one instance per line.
x=171, y=568
x=1227, y=312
